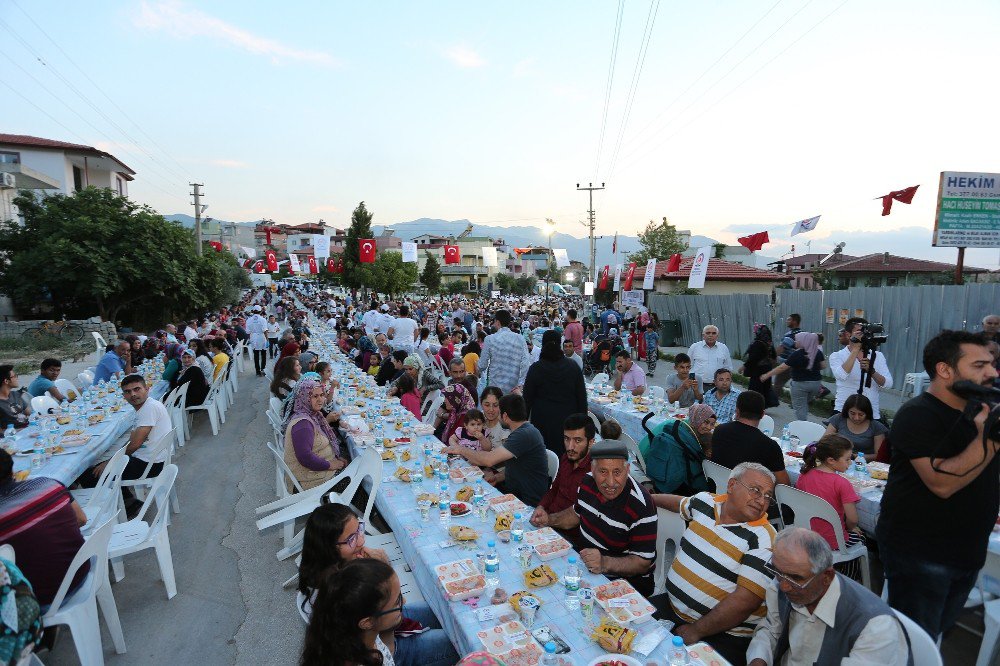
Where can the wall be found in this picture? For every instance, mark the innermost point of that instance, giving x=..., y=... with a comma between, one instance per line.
x=105, y=328
x=734, y=314
x=52, y=163
x=718, y=287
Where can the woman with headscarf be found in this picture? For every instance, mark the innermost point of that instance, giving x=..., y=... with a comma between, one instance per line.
x=202, y=356
x=553, y=389
x=192, y=374
x=366, y=350
x=805, y=362
x=290, y=349
x=760, y=357
x=173, y=357
x=451, y=415
x=135, y=350
x=312, y=447
x=675, y=449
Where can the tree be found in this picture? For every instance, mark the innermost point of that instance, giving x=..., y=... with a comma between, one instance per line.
x=391, y=275
x=356, y=274
x=720, y=250
x=96, y=250
x=659, y=241
x=431, y=276
x=455, y=287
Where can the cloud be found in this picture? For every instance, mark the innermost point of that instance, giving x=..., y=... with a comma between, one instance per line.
x=464, y=57
x=524, y=67
x=174, y=18
x=230, y=164
x=747, y=228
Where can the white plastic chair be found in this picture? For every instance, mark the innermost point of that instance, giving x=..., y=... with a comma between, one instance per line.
x=600, y=378
x=923, y=648
x=915, y=383
x=103, y=501
x=212, y=406
x=177, y=416
x=138, y=534
x=553, y=461
x=718, y=474
x=989, y=650
x=164, y=446
x=279, y=436
x=67, y=388
x=79, y=610
x=658, y=392
x=85, y=379
x=41, y=404
x=807, y=506
x=766, y=425
x=275, y=405
x=807, y=431
x=282, y=478
x=597, y=421
x=431, y=412
x=669, y=529
x=101, y=343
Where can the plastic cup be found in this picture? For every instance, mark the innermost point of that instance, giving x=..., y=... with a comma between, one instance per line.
x=524, y=554
x=529, y=607
x=586, y=596
x=482, y=509
x=425, y=510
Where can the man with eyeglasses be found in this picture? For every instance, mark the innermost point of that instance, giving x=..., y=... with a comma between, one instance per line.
x=816, y=615
x=718, y=580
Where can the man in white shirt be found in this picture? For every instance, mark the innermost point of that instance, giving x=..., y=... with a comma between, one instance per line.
x=570, y=352
x=847, y=364
x=814, y=612
x=190, y=332
x=370, y=320
x=257, y=329
x=708, y=355
x=403, y=331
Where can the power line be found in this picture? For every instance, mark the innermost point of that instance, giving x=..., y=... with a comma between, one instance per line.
x=647, y=35
x=611, y=78
x=94, y=83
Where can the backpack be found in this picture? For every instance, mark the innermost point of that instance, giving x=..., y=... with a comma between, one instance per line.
x=602, y=351
x=673, y=458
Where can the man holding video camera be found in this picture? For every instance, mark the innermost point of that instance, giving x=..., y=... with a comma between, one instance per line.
x=848, y=363
x=943, y=493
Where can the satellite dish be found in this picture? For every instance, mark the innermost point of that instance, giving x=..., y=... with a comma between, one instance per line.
x=836, y=250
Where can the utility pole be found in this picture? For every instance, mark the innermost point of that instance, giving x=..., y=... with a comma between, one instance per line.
x=197, y=214
x=591, y=224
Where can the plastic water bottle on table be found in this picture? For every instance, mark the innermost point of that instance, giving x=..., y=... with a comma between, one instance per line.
x=491, y=567
x=571, y=580
x=678, y=655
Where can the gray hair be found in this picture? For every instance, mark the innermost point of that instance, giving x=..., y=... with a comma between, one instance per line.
x=705, y=329
x=814, y=545
x=745, y=467
x=456, y=361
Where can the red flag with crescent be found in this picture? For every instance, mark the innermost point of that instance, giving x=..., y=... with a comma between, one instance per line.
x=452, y=254
x=216, y=245
x=313, y=268
x=272, y=261
x=259, y=266
x=331, y=265
x=246, y=264
x=366, y=248
x=628, y=276
x=604, y=278
x=674, y=264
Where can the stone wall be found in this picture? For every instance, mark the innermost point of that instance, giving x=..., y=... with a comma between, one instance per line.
x=105, y=328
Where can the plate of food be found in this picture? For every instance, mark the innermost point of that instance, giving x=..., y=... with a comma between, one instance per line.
x=459, y=509
x=403, y=474
x=621, y=602
x=550, y=550
x=615, y=660
x=462, y=533
x=464, y=494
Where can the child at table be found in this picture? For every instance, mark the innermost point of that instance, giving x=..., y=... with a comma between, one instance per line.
x=473, y=434
x=409, y=397
x=822, y=462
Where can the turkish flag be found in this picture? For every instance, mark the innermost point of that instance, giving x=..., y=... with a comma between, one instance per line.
x=452, y=254
x=259, y=266
x=272, y=261
x=216, y=245
x=754, y=242
x=902, y=196
x=331, y=265
x=603, y=284
x=246, y=264
x=674, y=264
x=628, y=276
x=366, y=248
x=313, y=268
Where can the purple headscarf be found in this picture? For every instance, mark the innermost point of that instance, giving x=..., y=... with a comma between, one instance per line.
x=809, y=343
x=301, y=407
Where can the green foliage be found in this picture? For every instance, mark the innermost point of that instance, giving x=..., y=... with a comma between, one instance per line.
x=356, y=274
x=96, y=250
x=824, y=279
x=431, y=275
x=720, y=250
x=391, y=275
x=659, y=240
x=517, y=286
x=455, y=287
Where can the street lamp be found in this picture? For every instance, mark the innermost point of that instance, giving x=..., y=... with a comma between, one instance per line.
x=550, y=229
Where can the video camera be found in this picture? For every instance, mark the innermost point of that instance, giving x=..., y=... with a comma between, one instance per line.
x=872, y=335
x=977, y=395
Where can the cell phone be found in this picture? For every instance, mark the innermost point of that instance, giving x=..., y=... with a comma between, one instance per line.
x=543, y=635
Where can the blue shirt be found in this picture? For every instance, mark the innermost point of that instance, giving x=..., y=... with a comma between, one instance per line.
x=40, y=386
x=109, y=365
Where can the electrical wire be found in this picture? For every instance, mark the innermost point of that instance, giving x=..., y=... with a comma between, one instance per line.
x=611, y=78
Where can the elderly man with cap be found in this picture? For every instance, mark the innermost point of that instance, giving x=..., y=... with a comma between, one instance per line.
x=616, y=517
x=818, y=616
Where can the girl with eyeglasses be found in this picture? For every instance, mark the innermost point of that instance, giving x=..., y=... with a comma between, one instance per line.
x=334, y=539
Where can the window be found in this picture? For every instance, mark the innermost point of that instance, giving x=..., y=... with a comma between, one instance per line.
x=891, y=282
x=9, y=157
x=77, y=179
x=121, y=186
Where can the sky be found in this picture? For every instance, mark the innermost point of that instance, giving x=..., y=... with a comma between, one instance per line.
x=725, y=116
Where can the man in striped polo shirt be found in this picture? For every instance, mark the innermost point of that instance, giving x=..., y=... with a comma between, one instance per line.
x=718, y=580
x=616, y=517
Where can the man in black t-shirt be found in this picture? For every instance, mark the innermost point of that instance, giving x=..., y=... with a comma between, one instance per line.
x=741, y=440
x=943, y=494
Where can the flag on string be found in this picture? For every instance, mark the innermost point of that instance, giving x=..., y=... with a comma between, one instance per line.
x=293, y=263
x=272, y=261
x=321, y=246
x=650, y=276
x=249, y=251
x=335, y=265
x=754, y=242
x=366, y=248
x=246, y=264
x=803, y=226
x=674, y=264
x=313, y=268
x=618, y=278
x=628, y=276
x=452, y=255
x=561, y=257
x=409, y=253
x=259, y=266
x=489, y=255
x=699, y=268
x=614, y=244
x=216, y=245
x=902, y=196
x=603, y=284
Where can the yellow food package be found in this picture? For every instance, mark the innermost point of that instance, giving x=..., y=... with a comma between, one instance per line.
x=403, y=474
x=462, y=533
x=464, y=494
x=503, y=521
x=388, y=455
x=406, y=456
x=428, y=471
x=515, y=600
x=613, y=637
x=541, y=576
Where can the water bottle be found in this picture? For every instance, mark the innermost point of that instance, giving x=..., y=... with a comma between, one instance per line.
x=860, y=466
x=417, y=476
x=517, y=529
x=443, y=505
x=477, y=493
x=492, y=566
x=550, y=658
x=571, y=580
x=444, y=478
x=678, y=655
x=785, y=439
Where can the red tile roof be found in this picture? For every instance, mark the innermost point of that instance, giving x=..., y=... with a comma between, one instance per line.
x=878, y=263
x=718, y=270
x=38, y=142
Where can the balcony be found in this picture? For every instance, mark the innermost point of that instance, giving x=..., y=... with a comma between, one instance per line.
x=456, y=269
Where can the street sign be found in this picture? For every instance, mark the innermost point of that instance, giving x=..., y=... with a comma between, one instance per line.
x=968, y=210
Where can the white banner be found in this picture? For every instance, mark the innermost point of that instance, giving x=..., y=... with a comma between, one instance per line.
x=489, y=256
x=249, y=251
x=588, y=288
x=293, y=263
x=647, y=280
x=562, y=258
x=633, y=297
x=699, y=269
x=495, y=293
x=409, y=252
x=321, y=246
x=618, y=278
